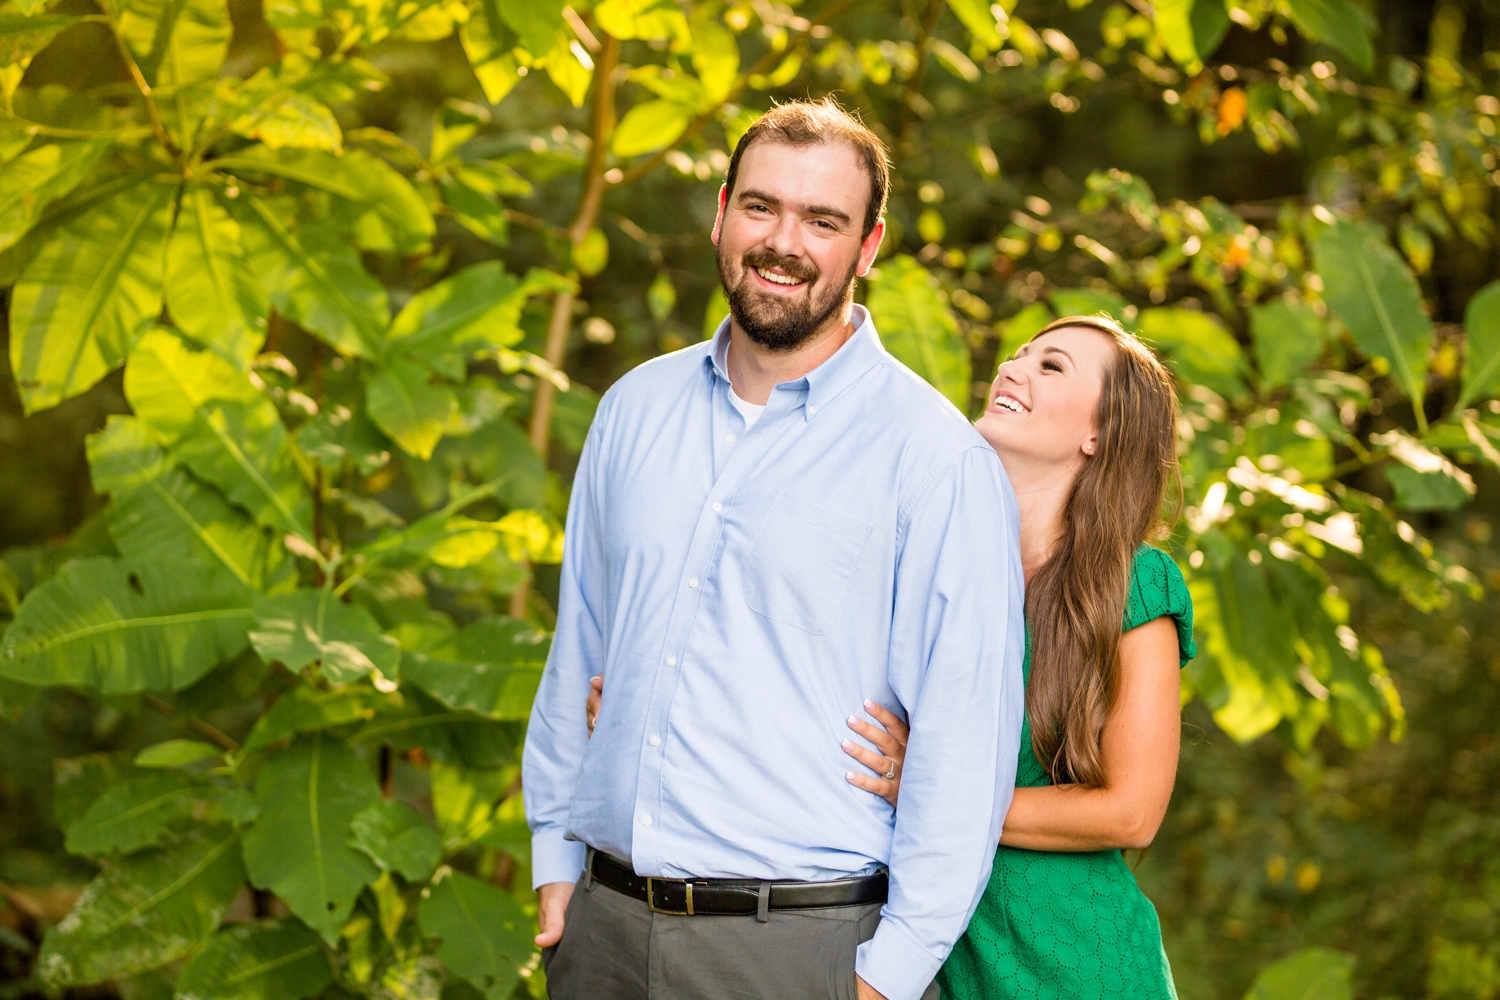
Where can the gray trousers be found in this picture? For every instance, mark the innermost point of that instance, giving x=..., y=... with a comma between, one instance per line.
x=614, y=948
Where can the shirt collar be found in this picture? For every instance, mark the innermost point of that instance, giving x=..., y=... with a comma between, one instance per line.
x=857, y=356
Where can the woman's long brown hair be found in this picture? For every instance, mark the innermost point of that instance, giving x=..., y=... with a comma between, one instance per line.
x=1075, y=603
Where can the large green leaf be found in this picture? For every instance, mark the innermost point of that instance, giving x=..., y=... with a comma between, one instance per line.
x=220, y=426
x=75, y=310
x=1340, y=23
x=309, y=793
x=1370, y=288
x=464, y=799
x=979, y=18
x=650, y=126
x=1288, y=337
x=403, y=402
x=31, y=181
x=1198, y=347
x=383, y=211
x=79, y=781
x=314, y=278
x=1482, y=361
x=213, y=295
x=397, y=838
x=119, y=625
x=1310, y=974
x=483, y=931
x=176, y=42
x=1424, y=479
x=160, y=508
x=479, y=306
x=492, y=667
x=145, y=910
x=489, y=45
x=297, y=629
x=917, y=326
x=142, y=810
x=262, y=960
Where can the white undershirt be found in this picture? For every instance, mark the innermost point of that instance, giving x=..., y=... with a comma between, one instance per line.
x=749, y=411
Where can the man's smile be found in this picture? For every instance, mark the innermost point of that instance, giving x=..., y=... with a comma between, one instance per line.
x=778, y=280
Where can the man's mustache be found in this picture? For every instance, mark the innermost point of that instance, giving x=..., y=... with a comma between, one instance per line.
x=790, y=266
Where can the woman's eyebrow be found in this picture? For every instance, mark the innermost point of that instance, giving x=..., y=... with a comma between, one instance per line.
x=1058, y=350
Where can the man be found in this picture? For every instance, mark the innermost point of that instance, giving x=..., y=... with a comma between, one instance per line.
x=765, y=530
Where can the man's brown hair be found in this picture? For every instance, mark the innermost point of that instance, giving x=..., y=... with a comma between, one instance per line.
x=804, y=123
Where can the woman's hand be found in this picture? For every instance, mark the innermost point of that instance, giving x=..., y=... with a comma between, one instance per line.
x=887, y=764
x=596, y=698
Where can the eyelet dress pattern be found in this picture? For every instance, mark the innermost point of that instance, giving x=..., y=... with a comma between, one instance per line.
x=1056, y=926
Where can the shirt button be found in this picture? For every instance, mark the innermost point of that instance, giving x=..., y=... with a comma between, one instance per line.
x=811, y=410
x=656, y=741
x=718, y=507
x=693, y=582
x=671, y=661
x=729, y=438
x=646, y=820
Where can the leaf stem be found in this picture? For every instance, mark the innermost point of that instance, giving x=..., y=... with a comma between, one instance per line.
x=145, y=88
x=197, y=725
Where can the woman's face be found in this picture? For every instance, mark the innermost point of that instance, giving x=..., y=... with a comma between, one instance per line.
x=1043, y=402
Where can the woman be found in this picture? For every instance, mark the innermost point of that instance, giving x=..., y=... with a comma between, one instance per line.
x=1084, y=420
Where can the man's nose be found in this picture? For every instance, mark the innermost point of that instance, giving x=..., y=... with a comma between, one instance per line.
x=785, y=238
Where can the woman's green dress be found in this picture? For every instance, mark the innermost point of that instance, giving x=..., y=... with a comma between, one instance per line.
x=1072, y=926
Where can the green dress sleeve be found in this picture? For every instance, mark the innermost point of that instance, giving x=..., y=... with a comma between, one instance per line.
x=1157, y=589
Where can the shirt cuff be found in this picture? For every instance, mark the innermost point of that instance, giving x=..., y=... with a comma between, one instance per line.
x=554, y=859
x=895, y=965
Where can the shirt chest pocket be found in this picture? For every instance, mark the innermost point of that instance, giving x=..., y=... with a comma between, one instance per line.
x=802, y=563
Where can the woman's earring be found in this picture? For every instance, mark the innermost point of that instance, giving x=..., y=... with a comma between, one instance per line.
x=1088, y=449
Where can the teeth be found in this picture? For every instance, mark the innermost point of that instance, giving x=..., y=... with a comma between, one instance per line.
x=1008, y=404
x=780, y=279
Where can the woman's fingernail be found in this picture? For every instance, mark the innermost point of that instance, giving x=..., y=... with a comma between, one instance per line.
x=869, y=703
x=848, y=744
x=848, y=775
x=853, y=720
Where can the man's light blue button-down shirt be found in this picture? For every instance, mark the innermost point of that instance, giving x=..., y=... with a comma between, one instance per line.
x=742, y=592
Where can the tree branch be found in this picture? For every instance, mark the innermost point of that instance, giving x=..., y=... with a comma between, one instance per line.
x=197, y=725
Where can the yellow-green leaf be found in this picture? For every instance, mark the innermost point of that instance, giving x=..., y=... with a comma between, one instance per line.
x=650, y=126
x=919, y=329
x=211, y=292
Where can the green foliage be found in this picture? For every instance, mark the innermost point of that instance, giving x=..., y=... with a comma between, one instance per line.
x=1312, y=974
x=338, y=268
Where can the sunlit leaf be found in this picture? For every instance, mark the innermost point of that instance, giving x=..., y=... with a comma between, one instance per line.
x=490, y=54
x=220, y=426
x=1372, y=291
x=213, y=295
x=75, y=310
x=306, y=709
x=145, y=910
x=315, y=279
x=484, y=934
x=591, y=256
x=1482, y=359
x=565, y=67
x=260, y=960
x=1423, y=479
x=309, y=794
x=979, y=18
x=463, y=800
x=404, y=403
x=644, y=19
x=176, y=42
x=1340, y=23
x=31, y=181
x=160, y=508
x=297, y=629
x=288, y=119
x=127, y=625
x=1191, y=29
x=480, y=305
x=537, y=22
x=650, y=126
x=716, y=57
x=917, y=327
x=397, y=838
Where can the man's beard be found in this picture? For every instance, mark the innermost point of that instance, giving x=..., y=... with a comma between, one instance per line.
x=775, y=322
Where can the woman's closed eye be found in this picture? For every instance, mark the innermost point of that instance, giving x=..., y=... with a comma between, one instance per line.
x=1051, y=366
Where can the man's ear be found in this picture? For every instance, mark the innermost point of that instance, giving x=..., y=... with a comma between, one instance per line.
x=868, y=248
x=719, y=220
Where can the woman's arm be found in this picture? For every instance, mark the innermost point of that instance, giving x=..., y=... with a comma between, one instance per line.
x=1141, y=741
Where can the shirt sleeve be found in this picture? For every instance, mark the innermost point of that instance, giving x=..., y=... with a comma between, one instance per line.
x=955, y=663
x=558, y=731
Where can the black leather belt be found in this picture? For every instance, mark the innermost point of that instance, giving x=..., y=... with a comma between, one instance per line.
x=721, y=896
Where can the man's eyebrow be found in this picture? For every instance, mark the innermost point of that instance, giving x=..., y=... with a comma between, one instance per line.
x=753, y=194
